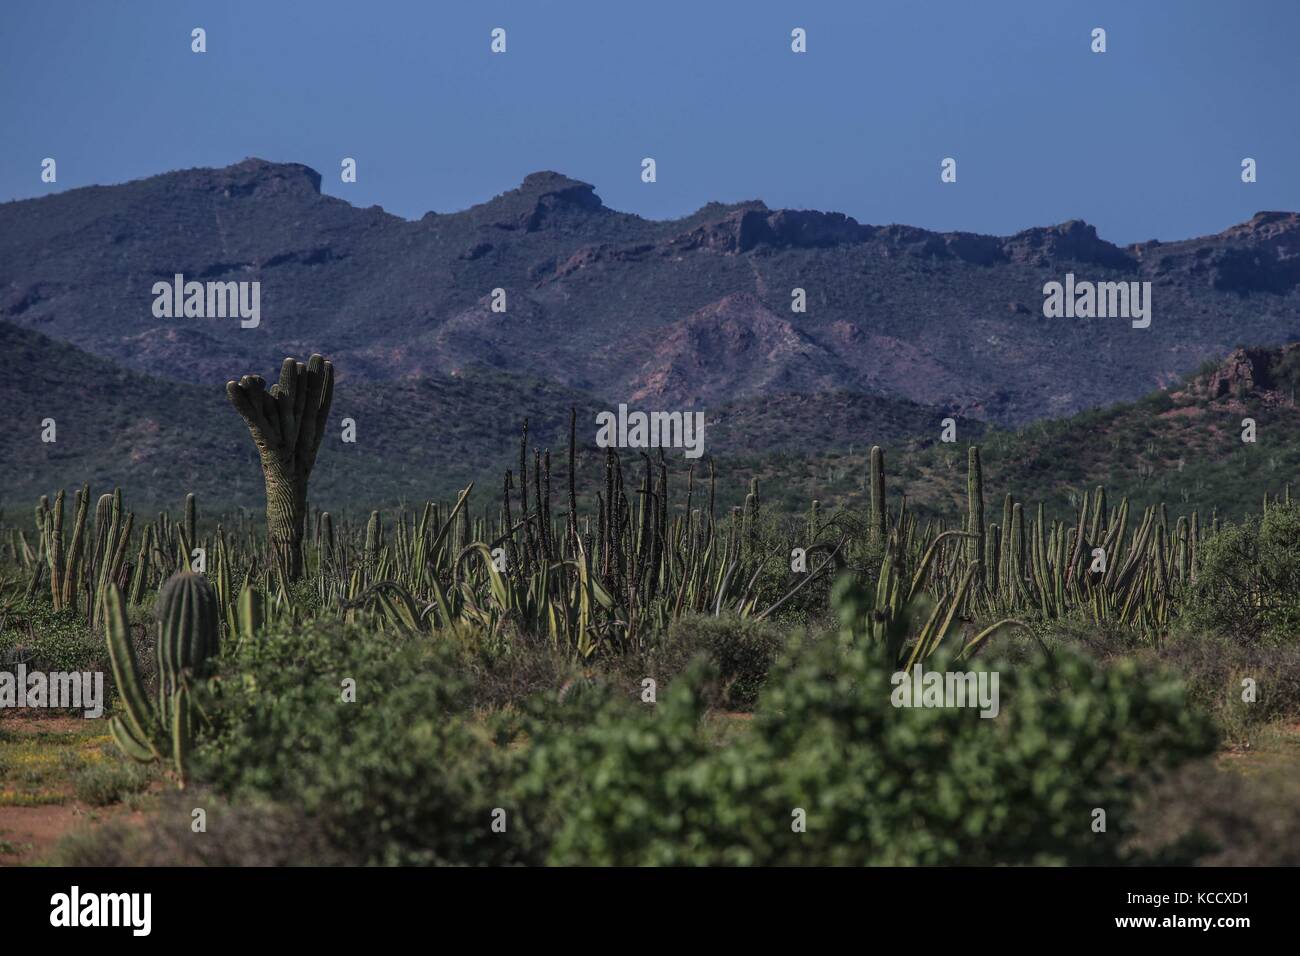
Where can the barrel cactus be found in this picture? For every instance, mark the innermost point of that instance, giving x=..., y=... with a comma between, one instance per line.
x=188, y=640
x=287, y=423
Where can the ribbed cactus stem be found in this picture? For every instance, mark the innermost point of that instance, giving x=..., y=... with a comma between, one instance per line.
x=186, y=644
x=140, y=577
x=287, y=423
x=1015, y=571
x=1194, y=541
x=250, y=613
x=974, y=504
x=327, y=536
x=187, y=625
x=879, y=520
x=1099, y=516
x=992, y=545
x=374, y=539
x=135, y=730
x=76, y=548
x=1003, y=583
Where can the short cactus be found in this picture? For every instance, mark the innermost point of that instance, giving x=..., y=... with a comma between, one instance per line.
x=187, y=641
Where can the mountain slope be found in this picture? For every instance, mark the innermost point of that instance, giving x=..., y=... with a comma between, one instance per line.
x=611, y=304
x=418, y=437
x=1180, y=446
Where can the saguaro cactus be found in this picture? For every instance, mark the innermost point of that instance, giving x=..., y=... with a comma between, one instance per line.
x=286, y=423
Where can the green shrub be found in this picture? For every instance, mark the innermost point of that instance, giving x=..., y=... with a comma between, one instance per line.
x=886, y=785
x=1248, y=586
x=1215, y=669
x=109, y=781
x=741, y=650
x=403, y=775
x=49, y=640
x=612, y=782
x=634, y=784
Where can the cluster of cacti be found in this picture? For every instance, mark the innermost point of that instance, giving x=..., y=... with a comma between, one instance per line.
x=72, y=569
x=1099, y=562
x=91, y=556
x=188, y=638
x=63, y=558
x=630, y=566
x=638, y=561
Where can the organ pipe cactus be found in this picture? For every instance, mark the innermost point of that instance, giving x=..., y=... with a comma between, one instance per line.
x=975, y=505
x=879, y=520
x=140, y=574
x=187, y=641
x=374, y=539
x=65, y=561
x=326, y=544
x=76, y=549
x=287, y=423
x=191, y=521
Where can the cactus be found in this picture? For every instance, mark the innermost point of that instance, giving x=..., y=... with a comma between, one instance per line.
x=191, y=521
x=975, y=505
x=76, y=549
x=250, y=614
x=374, y=539
x=54, y=549
x=326, y=539
x=879, y=520
x=286, y=423
x=187, y=642
x=140, y=575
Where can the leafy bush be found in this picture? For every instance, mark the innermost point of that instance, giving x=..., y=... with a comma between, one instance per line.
x=109, y=779
x=741, y=650
x=49, y=640
x=614, y=782
x=886, y=785
x=403, y=775
x=880, y=785
x=1215, y=668
x=1248, y=584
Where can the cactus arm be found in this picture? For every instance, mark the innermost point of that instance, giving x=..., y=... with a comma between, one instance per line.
x=139, y=717
x=129, y=743
x=182, y=733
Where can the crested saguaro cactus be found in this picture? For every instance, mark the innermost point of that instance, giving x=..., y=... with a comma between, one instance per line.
x=286, y=422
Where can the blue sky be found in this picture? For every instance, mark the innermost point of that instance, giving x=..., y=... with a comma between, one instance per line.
x=1145, y=141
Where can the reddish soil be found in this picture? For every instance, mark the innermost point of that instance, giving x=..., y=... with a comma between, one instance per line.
x=32, y=832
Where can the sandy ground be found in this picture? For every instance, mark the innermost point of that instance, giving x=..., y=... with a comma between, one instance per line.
x=36, y=814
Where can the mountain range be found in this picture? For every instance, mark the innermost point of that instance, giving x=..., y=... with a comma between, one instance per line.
x=685, y=313
x=903, y=326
